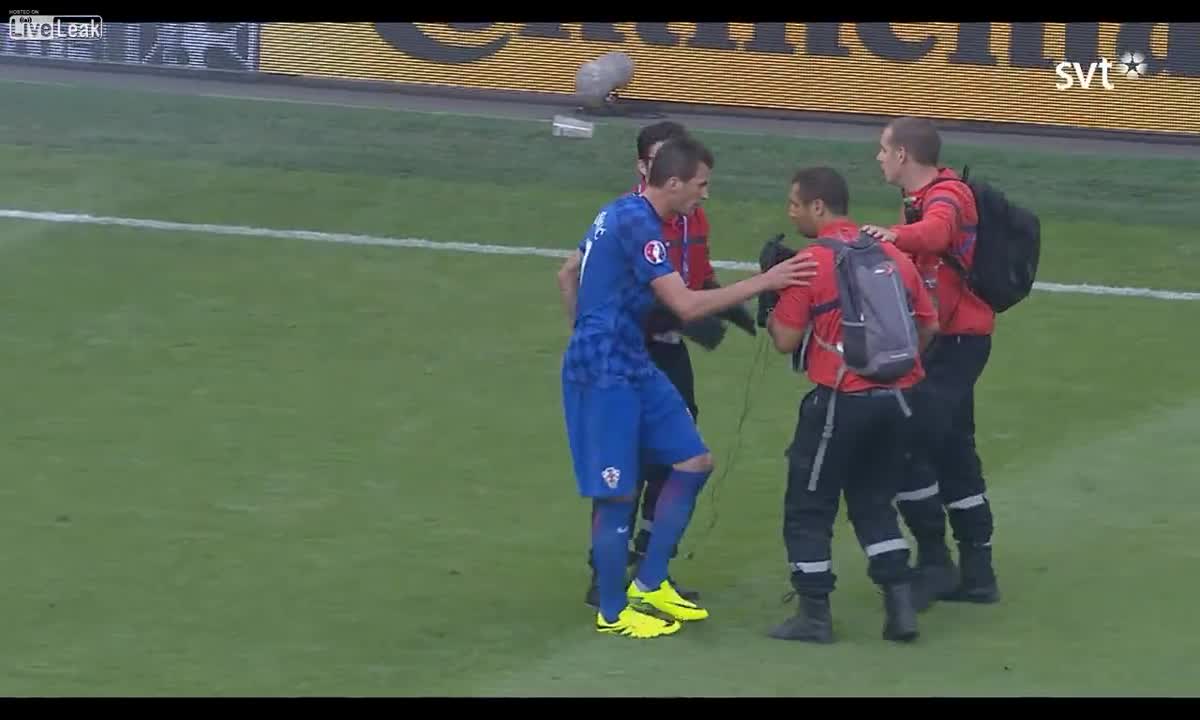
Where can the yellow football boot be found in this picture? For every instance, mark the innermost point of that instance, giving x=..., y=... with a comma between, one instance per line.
x=666, y=600
x=633, y=624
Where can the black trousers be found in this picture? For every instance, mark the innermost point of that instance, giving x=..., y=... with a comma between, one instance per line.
x=943, y=466
x=863, y=460
x=676, y=363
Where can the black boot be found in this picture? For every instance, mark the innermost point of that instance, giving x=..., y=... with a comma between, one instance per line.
x=813, y=621
x=935, y=575
x=978, y=583
x=901, y=623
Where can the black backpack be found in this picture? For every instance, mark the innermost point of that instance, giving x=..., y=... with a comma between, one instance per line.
x=1008, y=243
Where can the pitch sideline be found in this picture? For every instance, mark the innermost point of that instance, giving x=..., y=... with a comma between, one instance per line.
x=423, y=244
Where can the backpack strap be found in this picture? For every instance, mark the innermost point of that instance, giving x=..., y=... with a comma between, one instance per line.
x=826, y=432
x=825, y=307
x=954, y=264
x=837, y=246
x=798, y=363
x=949, y=257
x=839, y=249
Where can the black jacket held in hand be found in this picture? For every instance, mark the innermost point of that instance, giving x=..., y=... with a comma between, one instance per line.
x=707, y=332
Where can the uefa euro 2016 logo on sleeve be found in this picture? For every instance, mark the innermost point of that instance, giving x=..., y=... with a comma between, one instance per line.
x=28, y=26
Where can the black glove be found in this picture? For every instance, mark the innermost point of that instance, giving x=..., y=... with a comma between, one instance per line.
x=738, y=314
x=660, y=319
x=773, y=252
x=766, y=305
x=707, y=332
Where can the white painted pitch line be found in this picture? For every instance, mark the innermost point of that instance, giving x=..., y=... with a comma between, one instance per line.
x=421, y=243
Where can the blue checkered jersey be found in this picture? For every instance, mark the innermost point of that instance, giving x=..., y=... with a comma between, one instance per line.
x=623, y=253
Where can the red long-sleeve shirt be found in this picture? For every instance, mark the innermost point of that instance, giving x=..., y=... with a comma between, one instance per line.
x=694, y=228
x=947, y=227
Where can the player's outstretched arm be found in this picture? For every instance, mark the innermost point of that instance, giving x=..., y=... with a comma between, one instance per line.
x=568, y=284
x=691, y=305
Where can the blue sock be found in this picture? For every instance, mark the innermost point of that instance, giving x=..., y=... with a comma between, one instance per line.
x=610, y=549
x=671, y=516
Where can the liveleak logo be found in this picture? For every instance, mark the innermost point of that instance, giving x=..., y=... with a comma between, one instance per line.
x=23, y=25
x=1132, y=65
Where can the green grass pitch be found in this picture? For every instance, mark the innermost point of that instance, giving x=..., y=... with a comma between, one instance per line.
x=240, y=466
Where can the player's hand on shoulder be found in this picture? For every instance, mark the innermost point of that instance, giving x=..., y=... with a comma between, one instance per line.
x=796, y=270
x=880, y=233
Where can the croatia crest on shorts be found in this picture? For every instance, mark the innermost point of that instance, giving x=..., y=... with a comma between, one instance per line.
x=655, y=252
x=611, y=477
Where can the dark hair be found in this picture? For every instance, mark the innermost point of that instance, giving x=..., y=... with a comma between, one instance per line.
x=651, y=135
x=824, y=184
x=919, y=137
x=679, y=157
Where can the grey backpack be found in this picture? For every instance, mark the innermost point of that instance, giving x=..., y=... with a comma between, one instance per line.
x=879, y=333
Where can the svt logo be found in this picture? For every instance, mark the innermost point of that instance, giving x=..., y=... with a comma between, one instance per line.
x=1132, y=66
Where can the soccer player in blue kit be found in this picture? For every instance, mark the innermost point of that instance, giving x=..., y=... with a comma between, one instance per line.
x=620, y=408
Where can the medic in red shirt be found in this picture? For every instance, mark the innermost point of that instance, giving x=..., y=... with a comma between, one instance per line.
x=851, y=436
x=938, y=230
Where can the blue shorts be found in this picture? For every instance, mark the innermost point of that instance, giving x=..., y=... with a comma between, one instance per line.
x=613, y=429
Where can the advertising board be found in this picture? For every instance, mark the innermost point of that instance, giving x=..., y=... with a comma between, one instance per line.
x=1141, y=77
